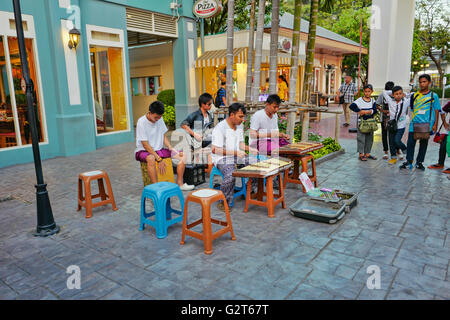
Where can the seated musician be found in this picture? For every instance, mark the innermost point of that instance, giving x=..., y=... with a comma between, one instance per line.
x=228, y=149
x=264, y=132
x=199, y=123
x=197, y=128
x=150, y=142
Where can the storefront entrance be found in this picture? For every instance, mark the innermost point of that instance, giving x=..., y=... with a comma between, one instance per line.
x=14, y=122
x=150, y=50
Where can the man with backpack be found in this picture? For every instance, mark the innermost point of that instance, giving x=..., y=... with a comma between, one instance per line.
x=425, y=108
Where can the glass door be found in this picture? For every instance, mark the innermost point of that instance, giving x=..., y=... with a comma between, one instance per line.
x=14, y=122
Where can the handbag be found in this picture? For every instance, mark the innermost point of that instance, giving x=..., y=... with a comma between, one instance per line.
x=392, y=125
x=421, y=131
x=368, y=125
x=438, y=137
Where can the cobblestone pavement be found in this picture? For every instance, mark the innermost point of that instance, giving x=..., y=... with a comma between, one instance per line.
x=401, y=224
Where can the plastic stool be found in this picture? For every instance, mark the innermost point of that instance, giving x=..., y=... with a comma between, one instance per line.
x=238, y=191
x=304, y=162
x=205, y=197
x=160, y=193
x=86, y=201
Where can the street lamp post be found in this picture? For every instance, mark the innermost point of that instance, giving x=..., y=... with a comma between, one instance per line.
x=46, y=225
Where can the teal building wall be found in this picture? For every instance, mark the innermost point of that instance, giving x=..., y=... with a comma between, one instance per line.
x=71, y=128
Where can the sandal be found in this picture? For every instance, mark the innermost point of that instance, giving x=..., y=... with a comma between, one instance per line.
x=447, y=171
x=362, y=158
x=371, y=157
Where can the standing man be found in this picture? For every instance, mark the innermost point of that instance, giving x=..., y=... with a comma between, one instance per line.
x=228, y=149
x=221, y=98
x=345, y=95
x=425, y=108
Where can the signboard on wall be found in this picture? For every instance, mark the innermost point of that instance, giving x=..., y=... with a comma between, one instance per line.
x=206, y=8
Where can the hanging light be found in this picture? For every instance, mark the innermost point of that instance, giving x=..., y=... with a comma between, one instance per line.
x=74, y=36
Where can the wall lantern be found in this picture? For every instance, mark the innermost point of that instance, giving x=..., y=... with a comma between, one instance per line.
x=74, y=36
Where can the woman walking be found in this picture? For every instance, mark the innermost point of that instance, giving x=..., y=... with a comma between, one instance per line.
x=366, y=108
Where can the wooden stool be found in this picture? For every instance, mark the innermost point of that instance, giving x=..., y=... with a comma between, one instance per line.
x=272, y=200
x=168, y=176
x=86, y=201
x=304, y=161
x=205, y=197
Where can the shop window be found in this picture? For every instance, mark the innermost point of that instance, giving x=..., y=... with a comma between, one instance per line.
x=14, y=122
x=147, y=86
x=108, y=88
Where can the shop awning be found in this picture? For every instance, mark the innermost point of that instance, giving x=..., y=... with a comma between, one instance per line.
x=219, y=57
x=284, y=59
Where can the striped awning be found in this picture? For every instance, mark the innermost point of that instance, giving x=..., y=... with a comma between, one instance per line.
x=219, y=57
x=284, y=59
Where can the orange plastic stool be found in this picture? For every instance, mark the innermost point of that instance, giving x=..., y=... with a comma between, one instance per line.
x=304, y=161
x=205, y=201
x=86, y=200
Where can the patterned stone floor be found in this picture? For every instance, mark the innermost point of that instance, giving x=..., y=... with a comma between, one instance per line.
x=401, y=225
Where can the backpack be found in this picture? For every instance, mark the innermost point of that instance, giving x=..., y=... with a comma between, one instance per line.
x=217, y=101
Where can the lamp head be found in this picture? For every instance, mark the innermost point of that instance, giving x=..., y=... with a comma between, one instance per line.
x=74, y=36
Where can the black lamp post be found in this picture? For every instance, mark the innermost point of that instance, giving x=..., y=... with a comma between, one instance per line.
x=46, y=225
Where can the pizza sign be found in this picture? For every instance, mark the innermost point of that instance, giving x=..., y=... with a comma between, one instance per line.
x=206, y=8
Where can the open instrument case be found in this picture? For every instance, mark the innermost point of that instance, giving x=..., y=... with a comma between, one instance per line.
x=324, y=209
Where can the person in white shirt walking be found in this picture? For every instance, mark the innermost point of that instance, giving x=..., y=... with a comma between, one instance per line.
x=398, y=112
x=150, y=142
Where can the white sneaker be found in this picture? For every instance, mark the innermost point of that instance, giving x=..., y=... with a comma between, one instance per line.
x=187, y=187
x=386, y=156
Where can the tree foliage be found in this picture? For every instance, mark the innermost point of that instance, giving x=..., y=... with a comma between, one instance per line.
x=218, y=24
x=432, y=31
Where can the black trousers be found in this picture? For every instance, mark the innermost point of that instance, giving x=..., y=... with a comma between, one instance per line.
x=442, y=150
x=384, y=137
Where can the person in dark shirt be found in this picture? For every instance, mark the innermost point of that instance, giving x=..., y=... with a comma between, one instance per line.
x=199, y=123
x=221, y=98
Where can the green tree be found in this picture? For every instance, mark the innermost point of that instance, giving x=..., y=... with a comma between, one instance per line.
x=434, y=33
x=348, y=25
x=242, y=8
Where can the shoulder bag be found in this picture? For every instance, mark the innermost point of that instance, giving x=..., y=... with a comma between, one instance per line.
x=368, y=125
x=421, y=131
x=392, y=125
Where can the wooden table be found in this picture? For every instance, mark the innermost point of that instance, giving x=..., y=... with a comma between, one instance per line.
x=294, y=154
x=257, y=199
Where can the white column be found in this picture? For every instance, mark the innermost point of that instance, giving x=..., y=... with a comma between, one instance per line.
x=391, y=36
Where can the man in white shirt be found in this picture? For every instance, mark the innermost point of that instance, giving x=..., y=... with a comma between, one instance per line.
x=264, y=132
x=228, y=148
x=150, y=142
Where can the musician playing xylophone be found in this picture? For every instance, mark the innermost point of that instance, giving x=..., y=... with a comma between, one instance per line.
x=228, y=149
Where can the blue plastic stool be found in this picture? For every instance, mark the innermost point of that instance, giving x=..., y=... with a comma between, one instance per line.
x=238, y=191
x=161, y=193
